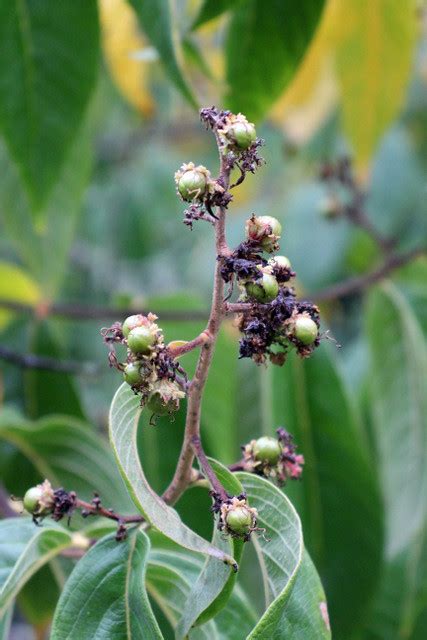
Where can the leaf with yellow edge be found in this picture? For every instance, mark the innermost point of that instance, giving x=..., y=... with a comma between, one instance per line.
x=122, y=41
x=17, y=286
x=374, y=60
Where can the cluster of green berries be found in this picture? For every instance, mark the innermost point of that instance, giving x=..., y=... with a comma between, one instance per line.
x=274, y=458
x=150, y=368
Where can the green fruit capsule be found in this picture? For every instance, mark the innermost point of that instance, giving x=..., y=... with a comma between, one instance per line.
x=192, y=184
x=282, y=262
x=243, y=134
x=140, y=340
x=239, y=520
x=32, y=499
x=263, y=290
x=305, y=330
x=267, y=449
x=159, y=407
x=132, y=374
x=132, y=322
x=273, y=223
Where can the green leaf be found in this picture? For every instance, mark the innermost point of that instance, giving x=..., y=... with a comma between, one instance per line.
x=5, y=622
x=339, y=497
x=43, y=245
x=215, y=583
x=24, y=548
x=105, y=596
x=69, y=454
x=124, y=416
x=398, y=398
x=171, y=574
x=266, y=34
x=211, y=10
x=48, y=67
x=294, y=598
x=372, y=93
x=156, y=21
x=18, y=286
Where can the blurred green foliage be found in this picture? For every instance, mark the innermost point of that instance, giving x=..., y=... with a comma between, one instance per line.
x=89, y=217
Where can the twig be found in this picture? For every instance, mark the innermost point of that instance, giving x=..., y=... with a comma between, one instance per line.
x=46, y=363
x=95, y=508
x=83, y=312
x=207, y=469
x=182, y=475
x=199, y=341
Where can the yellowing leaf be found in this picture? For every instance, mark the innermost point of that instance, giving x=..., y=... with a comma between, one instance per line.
x=312, y=94
x=17, y=286
x=124, y=46
x=373, y=60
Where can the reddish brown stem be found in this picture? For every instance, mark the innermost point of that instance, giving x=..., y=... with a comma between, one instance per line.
x=98, y=510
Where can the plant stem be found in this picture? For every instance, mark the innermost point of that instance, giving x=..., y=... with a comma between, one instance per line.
x=98, y=510
x=182, y=476
x=207, y=469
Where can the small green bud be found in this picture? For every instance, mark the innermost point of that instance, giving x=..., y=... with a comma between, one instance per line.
x=132, y=322
x=282, y=262
x=239, y=520
x=132, y=373
x=243, y=134
x=305, y=330
x=267, y=449
x=265, y=230
x=141, y=339
x=192, y=181
x=32, y=499
x=263, y=290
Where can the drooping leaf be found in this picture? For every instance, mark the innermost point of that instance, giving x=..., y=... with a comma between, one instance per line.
x=398, y=400
x=124, y=416
x=157, y=23
x=18, y=286
x=69, y=454
x=105, y=596
x=24, y=548
x=374, y=61
x=339, y=498
x=294, y=599
x=266, y=34
x=171, y=574
x=214, y=584
x=43, y=245
x=48, y=67
x=122, y=41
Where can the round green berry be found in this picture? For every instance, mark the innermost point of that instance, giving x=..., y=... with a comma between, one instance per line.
x=132, y=322
x=305, y=330
x=263, y=290
x=140, y=340
x=32, y=499
x=282, y=262
x=192, y=184
x=267, y=449
x=273, y=223
x=239, y=520
x=243, y=134
x=132, y=373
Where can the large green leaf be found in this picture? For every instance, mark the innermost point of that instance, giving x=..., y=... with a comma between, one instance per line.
x=156, y=21
x=48, y=67
x=24, y=548
x=294, y=598
x=214, y=584
x=266, y=35
x=124, y=417
x=43, y=245
x=339, y=498
x=105, y=596
x=69, y=454
x=171, y=575
x=398, y=398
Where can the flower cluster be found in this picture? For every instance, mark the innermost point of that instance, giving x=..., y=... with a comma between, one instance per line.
x=274, y=458
x=150, y=368
x=275, y=320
